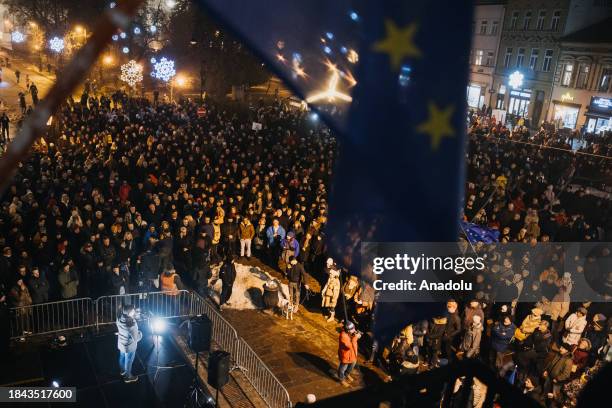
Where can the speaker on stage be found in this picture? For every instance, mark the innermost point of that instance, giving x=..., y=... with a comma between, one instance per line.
x=200, y=332
x=218, y=368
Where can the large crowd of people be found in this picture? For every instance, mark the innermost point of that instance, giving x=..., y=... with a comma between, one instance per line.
x=127, y=194
x=532, y=188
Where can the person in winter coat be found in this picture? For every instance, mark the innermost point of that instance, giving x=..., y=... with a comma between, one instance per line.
x=501, y=335
x=347, y=352
x=247, y=232
x=452, y=330
x=275, y=234
x=580, y=357
x=290, y=247
x=39, y=286
x=128, y=337
x=201, y=266
x=574, y=326
x=296, y=276
x=69, y=281
x=20, y=295
x=434, y=339
x=227, y=276
x=471, y=339
x=596, y=334
x=419, y=331
x=330, y=293
x=474, y=308
x=149, y=267
x=557, y=369
x=535, y=348
x=119, y=281
x=530, y=324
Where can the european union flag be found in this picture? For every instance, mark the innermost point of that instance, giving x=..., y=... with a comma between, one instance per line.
x=399, y=105
x=477, y=233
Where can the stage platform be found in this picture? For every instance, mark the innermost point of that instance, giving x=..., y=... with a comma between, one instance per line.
x=90, y=363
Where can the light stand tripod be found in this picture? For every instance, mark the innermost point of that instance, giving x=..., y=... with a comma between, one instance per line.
x=193, y=397
x=156, y=327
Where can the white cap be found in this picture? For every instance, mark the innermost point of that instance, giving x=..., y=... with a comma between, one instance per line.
x=311, y=399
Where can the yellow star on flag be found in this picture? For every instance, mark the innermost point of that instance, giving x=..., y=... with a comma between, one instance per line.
x=398, y=43
x=438, y=125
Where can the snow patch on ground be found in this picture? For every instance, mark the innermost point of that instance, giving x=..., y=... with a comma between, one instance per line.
x=247, y=292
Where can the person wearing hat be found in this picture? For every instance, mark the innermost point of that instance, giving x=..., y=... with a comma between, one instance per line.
x=471, y=339
x=347, y=352
x=529, y=324
x=596, y=333
x=580, y=356
x=228, y=276
x=557, y=370
x=574, y=326
x=290, y=248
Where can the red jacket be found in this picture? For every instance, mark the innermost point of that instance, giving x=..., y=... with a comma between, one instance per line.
x=347, y=348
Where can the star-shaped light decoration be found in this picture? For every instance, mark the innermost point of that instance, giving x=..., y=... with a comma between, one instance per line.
x=516, y=79
x=131, y=73
x=163, y=69
x=17, y=37
x=438, y=125
x=56, y=44
x=398, y=43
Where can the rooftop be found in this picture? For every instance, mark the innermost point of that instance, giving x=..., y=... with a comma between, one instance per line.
x=598, y=33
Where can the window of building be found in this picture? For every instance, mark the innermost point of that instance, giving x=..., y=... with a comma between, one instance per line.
x=556, y=19
x=541, y=17
x=514, y=20
x=520, y=58
x=583, y=76
x=490, y=58
x=533, y=59
x=479, y=56
x=566, y=79
x=527, y=20
x=508, y=57
x=547, y=60
x=494, y=27
x=606, y=78
x=483, y=27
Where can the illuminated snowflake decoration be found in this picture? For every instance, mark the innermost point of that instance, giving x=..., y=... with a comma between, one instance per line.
x=516, y=79
x=115, y=37
x=131, y=73
x=136, y=30
x=163, y=69
x=153, y=29
x=125, y=50
x=56, y=44
x=17, y=37
x=122, y=35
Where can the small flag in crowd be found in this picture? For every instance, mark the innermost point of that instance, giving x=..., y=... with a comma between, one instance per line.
x=478, y=233
x=384, y=76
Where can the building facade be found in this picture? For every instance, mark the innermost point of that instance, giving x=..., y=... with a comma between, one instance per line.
x=582, y=92
x=486, y=28
x=529, y=49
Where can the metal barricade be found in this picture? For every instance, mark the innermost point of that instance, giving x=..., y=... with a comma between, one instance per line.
x=81, y=313
x=223, y=333
x=51, y=317
x=159, y=304
x=270, y=389
x=261, y=378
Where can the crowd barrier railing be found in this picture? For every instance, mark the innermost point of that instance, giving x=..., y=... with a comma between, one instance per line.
x=52, y=317
x=150, y=304
x=82, y=313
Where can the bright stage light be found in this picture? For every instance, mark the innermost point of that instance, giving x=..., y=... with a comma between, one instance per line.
x=314, y=116
x=158, y=325
x=55, y=383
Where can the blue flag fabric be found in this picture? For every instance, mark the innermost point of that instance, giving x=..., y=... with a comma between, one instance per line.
x=478, y=233
x=400, y=172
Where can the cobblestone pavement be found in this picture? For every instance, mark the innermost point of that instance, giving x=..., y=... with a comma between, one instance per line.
x=302, y=353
